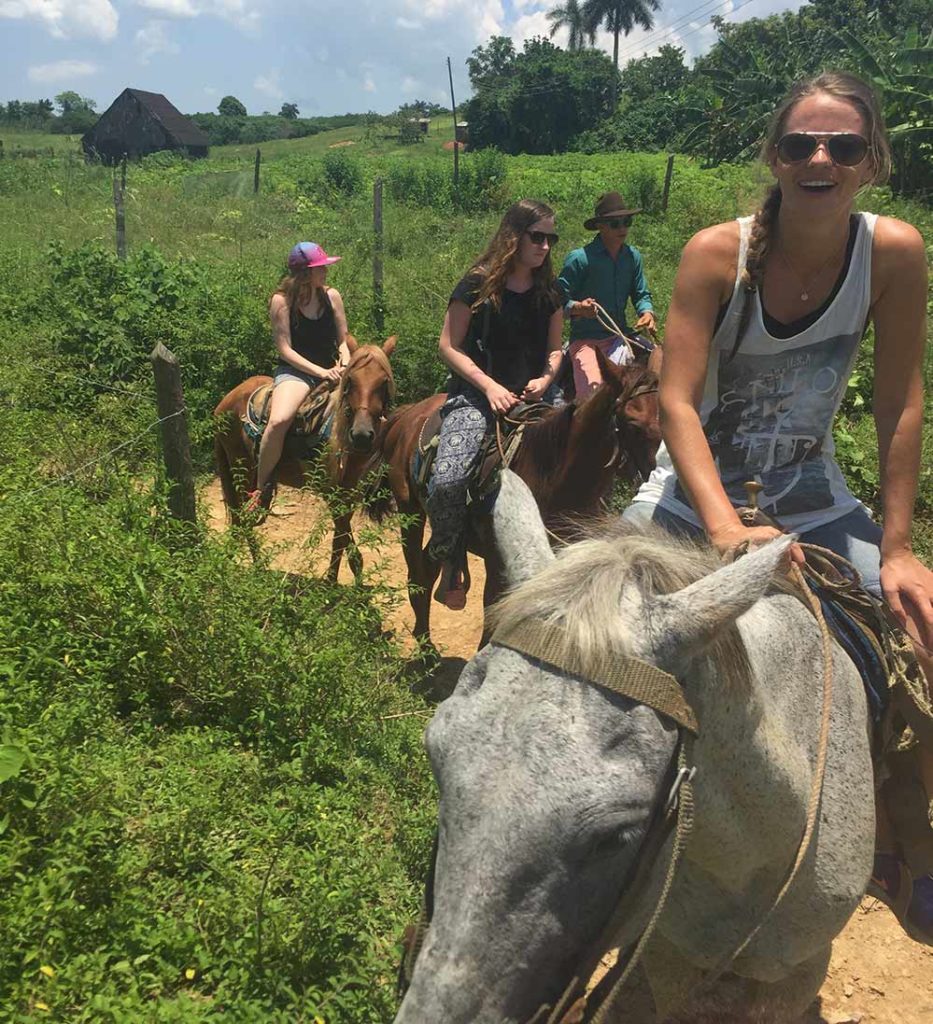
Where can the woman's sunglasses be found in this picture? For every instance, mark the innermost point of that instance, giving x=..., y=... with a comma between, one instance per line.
x=844, y=148
x=540, y=237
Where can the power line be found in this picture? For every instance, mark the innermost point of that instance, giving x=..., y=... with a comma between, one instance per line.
x=707, y=7
x=631, y=51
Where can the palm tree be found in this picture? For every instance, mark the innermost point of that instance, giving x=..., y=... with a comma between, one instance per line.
x=571, y=16
x=618, y=17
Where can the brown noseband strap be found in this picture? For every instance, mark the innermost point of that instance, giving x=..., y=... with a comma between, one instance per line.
x=630, y=677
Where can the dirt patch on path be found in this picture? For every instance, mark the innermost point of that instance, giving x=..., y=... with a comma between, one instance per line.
x=878, y=975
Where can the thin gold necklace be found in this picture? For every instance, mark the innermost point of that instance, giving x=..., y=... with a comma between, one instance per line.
x=804, y=287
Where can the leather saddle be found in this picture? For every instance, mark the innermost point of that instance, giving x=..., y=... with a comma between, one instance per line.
x=497, y=452
x=312, y=423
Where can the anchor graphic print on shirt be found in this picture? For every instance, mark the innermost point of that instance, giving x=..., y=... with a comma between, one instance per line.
x=773, y=422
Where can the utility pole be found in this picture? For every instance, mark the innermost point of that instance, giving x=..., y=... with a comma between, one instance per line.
x=453, y=107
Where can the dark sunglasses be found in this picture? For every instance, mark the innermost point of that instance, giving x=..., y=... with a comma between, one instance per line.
x=540, y=237
x=844, y=148
x=618, y=222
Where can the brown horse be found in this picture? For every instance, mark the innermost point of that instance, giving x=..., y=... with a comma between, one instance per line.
x=364, y=394
x=568, y=459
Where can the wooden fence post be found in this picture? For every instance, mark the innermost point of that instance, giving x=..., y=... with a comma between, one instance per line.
x=378, y=250
x=120, y=214
x=667, y=182
x=176, y=449
x=256, y=172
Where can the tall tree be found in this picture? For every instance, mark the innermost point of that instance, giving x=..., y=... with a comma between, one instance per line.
x=289, y=111
x=230, y=106
x=570, y=16
x=619, y=17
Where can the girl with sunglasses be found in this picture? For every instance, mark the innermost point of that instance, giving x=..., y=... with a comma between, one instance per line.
x=763, y=332
x=502, y=340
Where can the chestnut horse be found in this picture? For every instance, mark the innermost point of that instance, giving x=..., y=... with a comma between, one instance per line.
x=568, y=459
x=365, y=391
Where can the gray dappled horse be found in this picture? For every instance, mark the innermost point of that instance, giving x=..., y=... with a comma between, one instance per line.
x=548, y=782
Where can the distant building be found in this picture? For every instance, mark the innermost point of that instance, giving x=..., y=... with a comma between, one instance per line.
x=423, y=123
x=462, y=132
x=137, y=123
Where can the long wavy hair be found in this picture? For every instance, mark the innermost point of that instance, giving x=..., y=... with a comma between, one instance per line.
x=841, y=86
x=299, y=290
x=496, y=263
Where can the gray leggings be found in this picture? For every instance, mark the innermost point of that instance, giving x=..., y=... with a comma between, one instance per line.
x=466, y=419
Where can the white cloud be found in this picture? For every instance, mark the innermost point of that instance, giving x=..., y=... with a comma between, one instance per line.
x=269, y=85
x=410, y=85
x=153, y=39
x=368, y=84
x=245, y=14
x=64, y=19
x=61, y=71
x=170, y=8
x=408, y=23
x=528, y=26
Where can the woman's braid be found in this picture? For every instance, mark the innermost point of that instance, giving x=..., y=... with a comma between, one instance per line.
x=759, y=243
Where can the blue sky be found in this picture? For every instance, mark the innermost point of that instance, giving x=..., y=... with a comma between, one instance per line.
x=352, y=55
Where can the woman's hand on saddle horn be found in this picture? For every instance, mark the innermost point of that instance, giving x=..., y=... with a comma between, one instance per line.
x=728, y=539
x=907, y=585
x=334, y=373
x=535, y=388
x=500, y=399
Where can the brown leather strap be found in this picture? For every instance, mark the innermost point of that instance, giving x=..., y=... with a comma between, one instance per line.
x=630, y=677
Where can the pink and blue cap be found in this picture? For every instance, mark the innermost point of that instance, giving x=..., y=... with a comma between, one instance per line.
x=309, y=254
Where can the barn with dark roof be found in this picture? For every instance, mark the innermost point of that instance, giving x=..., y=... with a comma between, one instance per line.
x=137, y=123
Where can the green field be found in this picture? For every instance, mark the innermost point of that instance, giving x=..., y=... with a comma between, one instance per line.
x=213, y=796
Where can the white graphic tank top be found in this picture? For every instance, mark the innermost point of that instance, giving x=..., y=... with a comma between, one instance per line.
x=768, y=413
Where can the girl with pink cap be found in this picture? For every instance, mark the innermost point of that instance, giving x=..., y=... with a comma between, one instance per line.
x=309, y=327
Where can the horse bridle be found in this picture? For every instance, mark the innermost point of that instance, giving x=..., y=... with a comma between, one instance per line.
x=646, y=684
x=644, y=383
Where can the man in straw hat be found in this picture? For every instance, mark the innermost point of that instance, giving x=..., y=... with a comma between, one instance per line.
x=607, y=272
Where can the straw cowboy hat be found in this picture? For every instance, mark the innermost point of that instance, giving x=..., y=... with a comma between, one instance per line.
x=609, y=204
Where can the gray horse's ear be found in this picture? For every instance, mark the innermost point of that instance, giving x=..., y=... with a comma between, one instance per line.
x=689, y=619
x=519, y=531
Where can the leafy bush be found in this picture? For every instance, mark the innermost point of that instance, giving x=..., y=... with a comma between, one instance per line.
x=343, y=174
x=200, y=759
x=482, y=182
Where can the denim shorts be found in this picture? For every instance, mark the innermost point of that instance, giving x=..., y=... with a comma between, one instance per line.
x=285, y=372
x=855, y=536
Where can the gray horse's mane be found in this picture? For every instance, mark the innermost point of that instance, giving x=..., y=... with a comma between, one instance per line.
x=581, y=590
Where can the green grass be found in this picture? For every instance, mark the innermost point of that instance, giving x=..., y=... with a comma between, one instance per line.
x=15, y=142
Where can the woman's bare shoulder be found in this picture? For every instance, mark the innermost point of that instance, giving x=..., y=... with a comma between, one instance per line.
x=710, y=259
x=898, y=239
x=719, y=242
x=898, y=256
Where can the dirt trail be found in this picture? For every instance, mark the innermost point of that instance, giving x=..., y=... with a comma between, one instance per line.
x=877, y=975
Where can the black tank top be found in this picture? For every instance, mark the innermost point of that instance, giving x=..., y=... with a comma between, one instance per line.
x=316, y=340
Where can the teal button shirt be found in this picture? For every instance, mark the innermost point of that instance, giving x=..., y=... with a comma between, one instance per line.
x=591, y=272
